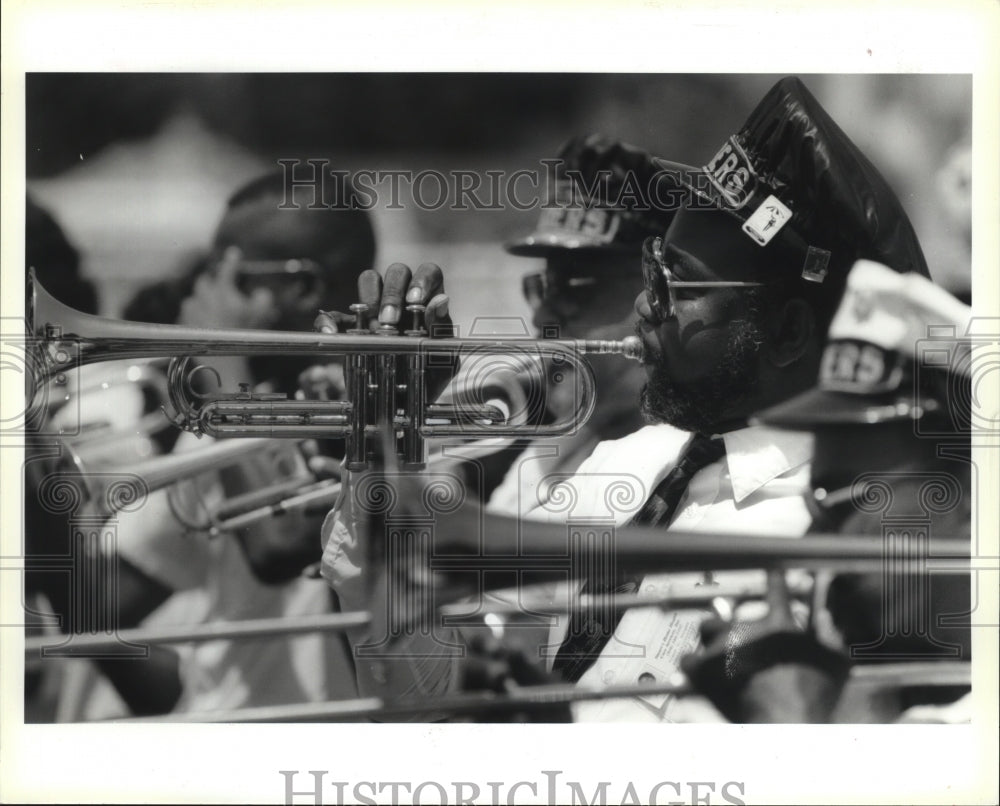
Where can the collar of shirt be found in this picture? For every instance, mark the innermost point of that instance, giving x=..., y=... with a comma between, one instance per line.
x=756, y=455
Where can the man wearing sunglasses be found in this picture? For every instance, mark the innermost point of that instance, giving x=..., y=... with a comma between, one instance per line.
x=271, y=267
x=584, y=290
x=739, y=291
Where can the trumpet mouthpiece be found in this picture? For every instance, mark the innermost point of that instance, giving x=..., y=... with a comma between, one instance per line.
x=632, y=348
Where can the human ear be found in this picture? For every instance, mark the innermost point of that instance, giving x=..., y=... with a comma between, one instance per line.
x=791, y=333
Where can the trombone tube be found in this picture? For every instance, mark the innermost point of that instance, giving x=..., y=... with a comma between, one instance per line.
x=251, y=628
x=622, y=602
x=326, y=494
x=942, y=673
x=160, y=471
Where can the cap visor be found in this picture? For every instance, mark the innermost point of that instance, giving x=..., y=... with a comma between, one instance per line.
x=542, y=244
x=818, y=407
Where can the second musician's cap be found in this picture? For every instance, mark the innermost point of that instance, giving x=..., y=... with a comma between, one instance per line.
x=597, y=199
x=897, y=349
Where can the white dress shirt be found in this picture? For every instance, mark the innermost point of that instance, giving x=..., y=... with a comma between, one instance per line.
x=757, y=488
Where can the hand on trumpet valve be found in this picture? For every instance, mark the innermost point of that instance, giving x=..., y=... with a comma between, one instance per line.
x=413, y=303
x=383, y=302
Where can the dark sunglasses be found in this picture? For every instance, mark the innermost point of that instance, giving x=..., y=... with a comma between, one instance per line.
x=660, y=282
x=540, y=287
x=252, y=274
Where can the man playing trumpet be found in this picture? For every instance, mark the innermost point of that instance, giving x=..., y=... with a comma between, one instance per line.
x=738, y=293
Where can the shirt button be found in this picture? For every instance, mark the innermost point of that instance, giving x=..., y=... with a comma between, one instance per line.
x=608, y=677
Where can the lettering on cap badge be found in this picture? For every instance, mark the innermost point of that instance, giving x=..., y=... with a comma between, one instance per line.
x=849, y=365
x=732, y=174
x=594, y=224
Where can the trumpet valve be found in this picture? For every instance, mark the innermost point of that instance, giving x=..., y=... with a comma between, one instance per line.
x=418, y=328
x=360, y=311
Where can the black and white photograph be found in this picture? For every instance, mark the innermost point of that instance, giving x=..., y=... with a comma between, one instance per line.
x=405, y=427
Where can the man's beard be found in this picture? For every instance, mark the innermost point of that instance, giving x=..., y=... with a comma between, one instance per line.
x=703, y=405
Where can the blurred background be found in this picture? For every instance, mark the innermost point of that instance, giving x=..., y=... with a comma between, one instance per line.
x=137, y=167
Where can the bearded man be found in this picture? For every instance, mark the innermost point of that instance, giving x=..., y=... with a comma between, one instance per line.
x=739, y=292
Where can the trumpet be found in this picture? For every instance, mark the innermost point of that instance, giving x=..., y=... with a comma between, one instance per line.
x=307, y=495
x=109, y=489
x=260, y=505
x=64, y=338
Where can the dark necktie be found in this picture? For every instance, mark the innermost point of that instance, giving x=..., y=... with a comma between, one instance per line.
x=590, y=631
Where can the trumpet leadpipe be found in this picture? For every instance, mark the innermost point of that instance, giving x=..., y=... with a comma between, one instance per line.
x=70, y=338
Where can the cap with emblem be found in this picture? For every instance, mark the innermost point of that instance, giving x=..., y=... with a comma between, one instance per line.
x=792, y=176
x=598, y=199
x=896, y=350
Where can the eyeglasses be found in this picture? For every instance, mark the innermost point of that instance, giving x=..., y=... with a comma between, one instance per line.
x=541, y=287
x=256, y=273
x=264, y=270
x=661, y=285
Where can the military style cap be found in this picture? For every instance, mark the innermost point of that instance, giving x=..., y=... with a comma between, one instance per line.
x=791, y=175
x=895, y=351
x=598, y=201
